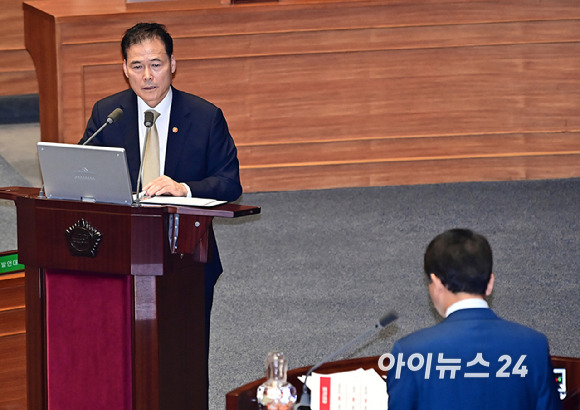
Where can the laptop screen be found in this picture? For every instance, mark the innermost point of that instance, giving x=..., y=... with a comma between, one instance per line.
x=85, y=173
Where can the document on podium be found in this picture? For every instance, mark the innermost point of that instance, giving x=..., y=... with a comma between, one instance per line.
x=180, y=201
x=358, y=389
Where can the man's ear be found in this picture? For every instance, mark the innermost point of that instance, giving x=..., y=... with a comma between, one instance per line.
x=173, y=63
x=490, y=285
x=435, y=280
x=438, y=294
x=125, y=68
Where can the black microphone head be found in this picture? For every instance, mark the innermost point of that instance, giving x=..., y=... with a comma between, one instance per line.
x=388, y=318
x=115, y=115
x=149, y=118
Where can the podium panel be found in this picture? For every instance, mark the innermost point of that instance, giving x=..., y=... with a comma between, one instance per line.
x=88, y=333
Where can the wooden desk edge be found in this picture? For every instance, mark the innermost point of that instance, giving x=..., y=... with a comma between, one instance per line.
x=228, y=210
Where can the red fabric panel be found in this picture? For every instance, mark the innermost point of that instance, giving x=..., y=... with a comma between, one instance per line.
x=88, y=341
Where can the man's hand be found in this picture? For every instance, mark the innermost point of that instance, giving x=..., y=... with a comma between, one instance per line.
x=164, y=185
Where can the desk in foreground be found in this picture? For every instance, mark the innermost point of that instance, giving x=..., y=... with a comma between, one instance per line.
x=244, y=397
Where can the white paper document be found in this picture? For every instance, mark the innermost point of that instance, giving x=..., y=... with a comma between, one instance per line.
x=354, y=390
x=181, y=201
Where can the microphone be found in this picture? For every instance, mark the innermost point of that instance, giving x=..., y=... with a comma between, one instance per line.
x=111, y=118
x=149, y=119
x=115, y=116
x=385, y=320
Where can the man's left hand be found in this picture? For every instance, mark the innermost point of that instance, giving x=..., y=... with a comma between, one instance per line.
x=164, y=185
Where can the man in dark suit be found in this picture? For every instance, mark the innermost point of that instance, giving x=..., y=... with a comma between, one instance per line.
x=197, y=156
x=472, y=359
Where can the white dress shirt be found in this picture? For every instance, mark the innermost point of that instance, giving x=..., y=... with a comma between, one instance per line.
x=162, y=124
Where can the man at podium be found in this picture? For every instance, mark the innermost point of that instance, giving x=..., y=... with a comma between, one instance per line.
x=189, y=150
x=472, y=359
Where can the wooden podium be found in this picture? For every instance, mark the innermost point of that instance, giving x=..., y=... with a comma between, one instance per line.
x=115, y=302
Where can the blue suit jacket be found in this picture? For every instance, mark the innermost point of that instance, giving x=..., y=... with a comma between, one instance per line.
x=460, y=337
x=200, y=150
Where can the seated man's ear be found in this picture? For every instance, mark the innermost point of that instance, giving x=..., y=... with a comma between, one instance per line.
x=490, y=285
x=436, y=281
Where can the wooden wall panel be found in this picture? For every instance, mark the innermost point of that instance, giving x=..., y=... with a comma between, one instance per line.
x=405, y=149
x=409, y=172
x=12, y=342
x=392, y=93
x=13, y=372
x=309, y=86
x=17, y=75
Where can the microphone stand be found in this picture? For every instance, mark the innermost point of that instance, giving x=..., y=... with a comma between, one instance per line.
x=109, y=121
x=139, y=178
x=111, y=118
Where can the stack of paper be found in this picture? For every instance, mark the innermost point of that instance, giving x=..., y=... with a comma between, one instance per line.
x=354, y=390
x=181, y=201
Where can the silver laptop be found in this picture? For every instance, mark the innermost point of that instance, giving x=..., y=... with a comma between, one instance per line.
x=85, y=173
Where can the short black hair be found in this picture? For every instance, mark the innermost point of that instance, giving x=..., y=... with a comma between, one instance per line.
x=146, y=31
x=461, y=259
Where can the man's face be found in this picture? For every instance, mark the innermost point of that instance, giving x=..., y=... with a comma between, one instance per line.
x=149, y=70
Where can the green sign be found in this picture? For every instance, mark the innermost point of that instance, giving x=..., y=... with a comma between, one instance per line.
x=9, y=263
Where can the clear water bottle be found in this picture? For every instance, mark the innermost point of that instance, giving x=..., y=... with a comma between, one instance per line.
x=276, y=393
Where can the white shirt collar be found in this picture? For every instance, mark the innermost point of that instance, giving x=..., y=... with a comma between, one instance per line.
x=473, y=303
x=164, y=107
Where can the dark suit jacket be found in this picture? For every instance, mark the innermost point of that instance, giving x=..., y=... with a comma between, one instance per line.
x=200, y=150
x=463, y=335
